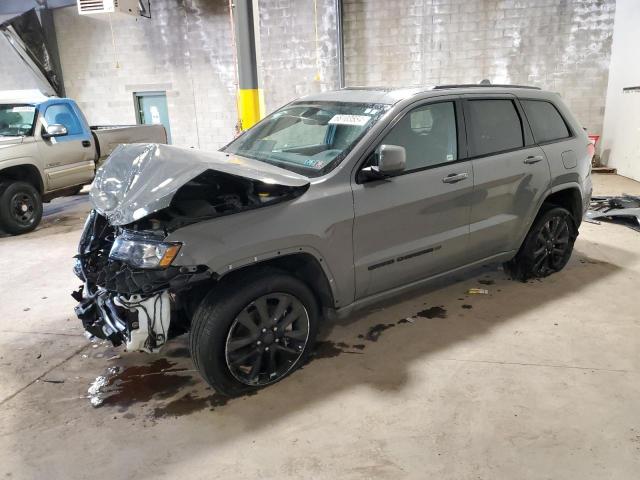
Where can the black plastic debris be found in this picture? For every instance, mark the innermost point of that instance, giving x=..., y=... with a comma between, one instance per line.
x=624, y=210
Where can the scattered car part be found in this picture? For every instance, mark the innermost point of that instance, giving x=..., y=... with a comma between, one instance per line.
x=624, y=209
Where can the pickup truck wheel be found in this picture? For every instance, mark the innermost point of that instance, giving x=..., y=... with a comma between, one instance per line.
x=20, y=207
x=254, y=331
x=547, y=247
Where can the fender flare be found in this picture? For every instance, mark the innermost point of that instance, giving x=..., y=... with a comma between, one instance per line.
x=255, y=260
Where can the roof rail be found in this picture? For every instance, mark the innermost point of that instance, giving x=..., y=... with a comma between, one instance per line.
x=482, y=85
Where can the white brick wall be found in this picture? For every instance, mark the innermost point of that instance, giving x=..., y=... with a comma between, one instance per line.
x=289, y=57
x=560, y=45
x=184, y=49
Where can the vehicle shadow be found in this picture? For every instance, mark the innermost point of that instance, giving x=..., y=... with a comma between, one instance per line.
x=374, y=349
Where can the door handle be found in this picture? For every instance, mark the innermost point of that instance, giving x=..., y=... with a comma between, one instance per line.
x=455, y=177
x=533, y=159
x=86, y=143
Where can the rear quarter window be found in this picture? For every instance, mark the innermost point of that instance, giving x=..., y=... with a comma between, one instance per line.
x=546, y=122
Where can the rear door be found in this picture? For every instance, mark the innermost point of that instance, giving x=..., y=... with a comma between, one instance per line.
x=511, y=173
x=416, y=224
x=68, y=159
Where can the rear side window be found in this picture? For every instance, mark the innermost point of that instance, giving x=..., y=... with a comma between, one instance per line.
x=545, y=120
x=61, y=114
x=495, y=126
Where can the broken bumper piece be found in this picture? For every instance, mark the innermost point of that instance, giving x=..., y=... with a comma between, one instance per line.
x=139, y=322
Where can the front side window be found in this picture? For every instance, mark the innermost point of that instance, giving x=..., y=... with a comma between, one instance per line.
x=428, y=135
x=495, y=126
x=16, y=120
x=545, y=121
x=310, y=138
x=62, y=114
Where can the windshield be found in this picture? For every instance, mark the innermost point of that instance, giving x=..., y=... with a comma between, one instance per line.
x=309, y=138
x=16, y=120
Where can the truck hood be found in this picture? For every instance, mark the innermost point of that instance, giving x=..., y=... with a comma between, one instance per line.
x=140, y=179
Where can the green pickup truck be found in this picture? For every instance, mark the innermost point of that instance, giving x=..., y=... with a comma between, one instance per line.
x=48, y=150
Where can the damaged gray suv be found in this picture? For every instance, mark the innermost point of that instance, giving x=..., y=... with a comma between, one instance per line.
x=333, y=202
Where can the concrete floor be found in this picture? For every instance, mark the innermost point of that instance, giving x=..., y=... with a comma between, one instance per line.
x=537, y=380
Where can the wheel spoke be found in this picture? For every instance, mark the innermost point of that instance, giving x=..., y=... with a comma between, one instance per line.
x=238, y=343
x=539, y=251
x=272, y=366
x=243, y=358
x=286, y=349
x=291, y=317
x=245, y=320
x=255, y=368
x=296, y=335
x=538, y=263
x=262, y=309
x=283, y=305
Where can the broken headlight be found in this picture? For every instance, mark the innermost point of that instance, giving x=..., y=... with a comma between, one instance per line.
x=142, y=252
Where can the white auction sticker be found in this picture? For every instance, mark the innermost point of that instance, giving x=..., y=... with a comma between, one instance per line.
x=23, y=109
x=357, y=120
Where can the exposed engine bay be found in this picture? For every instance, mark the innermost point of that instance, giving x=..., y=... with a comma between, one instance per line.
x=132, y=293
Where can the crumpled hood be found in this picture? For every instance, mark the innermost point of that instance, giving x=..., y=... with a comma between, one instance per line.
x=139, y=179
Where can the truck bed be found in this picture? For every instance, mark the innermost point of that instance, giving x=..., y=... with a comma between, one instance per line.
x=109, y=137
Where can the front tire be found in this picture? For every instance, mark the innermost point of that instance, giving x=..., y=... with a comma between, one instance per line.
x=253, y=331
x=547, y=247
x=20, y=207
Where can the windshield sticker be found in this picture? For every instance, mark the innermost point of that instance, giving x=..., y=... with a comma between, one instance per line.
x=23, y=109
x=355, y=120
x=317, y=164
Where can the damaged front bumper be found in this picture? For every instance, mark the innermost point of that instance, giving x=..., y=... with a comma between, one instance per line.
x=140, y=323
x=136, y=307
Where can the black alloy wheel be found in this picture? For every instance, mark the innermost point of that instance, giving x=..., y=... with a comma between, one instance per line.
x=552, y=246
x=267, y=339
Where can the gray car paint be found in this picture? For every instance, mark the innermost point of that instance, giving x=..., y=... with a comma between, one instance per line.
x=348, y=227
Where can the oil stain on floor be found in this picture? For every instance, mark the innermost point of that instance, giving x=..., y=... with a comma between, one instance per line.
x=121, y=386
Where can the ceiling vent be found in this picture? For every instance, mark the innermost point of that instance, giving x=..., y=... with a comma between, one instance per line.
x=98, y=7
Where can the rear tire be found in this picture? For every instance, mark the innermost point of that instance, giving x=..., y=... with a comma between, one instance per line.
x=20, y=207
x=546, y=248
x=253, y=331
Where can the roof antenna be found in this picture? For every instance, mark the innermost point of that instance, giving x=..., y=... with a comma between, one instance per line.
x=485, y=82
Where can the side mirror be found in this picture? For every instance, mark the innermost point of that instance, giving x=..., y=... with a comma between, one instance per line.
x=392, y=160
x=54, y=130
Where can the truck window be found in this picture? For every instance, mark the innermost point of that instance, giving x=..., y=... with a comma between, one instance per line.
x=494, y=126
x=62, y=114
x=545, y=121
x=16, y=119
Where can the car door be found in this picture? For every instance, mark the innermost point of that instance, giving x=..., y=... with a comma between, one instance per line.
x=416, y=224
x=510, y=173
x=69, y=159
